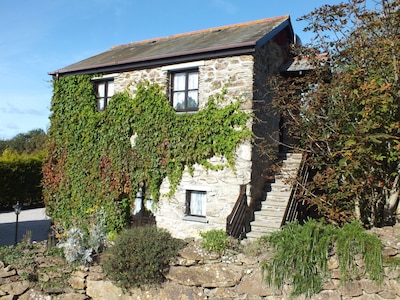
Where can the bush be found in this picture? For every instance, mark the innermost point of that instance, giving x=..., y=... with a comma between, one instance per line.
x=76, y=248
x=215, y=240
x=140, y=256
x=20, y=179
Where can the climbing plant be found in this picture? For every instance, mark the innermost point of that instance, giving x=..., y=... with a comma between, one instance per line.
x=99, y=159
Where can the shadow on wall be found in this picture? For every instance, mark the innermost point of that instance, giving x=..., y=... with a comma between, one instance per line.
x=39, y=229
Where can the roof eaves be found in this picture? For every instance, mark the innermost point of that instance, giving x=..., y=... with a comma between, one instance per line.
x=275, y=31
x=177, y=57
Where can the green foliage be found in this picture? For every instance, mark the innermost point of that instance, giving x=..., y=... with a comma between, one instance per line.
x=92, y=163
x=353, y=240
x=20, y=255
x=215, y=240
x=26, y=143
x=20, y=178
x=140, y=256
x=345, y=112
x=301, y=254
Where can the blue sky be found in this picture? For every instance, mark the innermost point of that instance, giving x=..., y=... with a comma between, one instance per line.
x=39, y=36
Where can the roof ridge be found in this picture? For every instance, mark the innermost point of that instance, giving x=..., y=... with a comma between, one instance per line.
x=153, y=40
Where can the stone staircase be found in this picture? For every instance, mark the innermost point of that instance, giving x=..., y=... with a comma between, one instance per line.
x=270, y=217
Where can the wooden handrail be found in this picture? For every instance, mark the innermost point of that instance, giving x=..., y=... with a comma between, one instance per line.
x=293, y=207
x=236, y=222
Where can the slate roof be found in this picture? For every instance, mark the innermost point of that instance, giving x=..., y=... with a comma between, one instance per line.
x=210, y=43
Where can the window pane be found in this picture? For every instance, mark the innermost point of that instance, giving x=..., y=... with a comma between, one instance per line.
x=193, y=81
x=108, y=101
x=179, y=101
x=193, y=101
x=100, y=89
x=179, y=82
x=110, y=89
x=198, y=203
x=101, y=103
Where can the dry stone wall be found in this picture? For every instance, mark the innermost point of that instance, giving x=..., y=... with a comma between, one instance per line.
x=198, y=274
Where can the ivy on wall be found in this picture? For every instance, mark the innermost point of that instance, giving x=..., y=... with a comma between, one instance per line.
x=99, y=159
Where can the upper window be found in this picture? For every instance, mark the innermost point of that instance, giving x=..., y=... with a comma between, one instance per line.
x=185, y=90
x=104, y=91
x=196, y=203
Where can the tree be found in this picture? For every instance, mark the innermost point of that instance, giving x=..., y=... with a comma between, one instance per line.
x=345, y=112
x=26, y=143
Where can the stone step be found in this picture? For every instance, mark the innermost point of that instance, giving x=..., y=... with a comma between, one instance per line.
x=267, y=221
x=280, y=185
x=290, y=168
x=285, y=177
x=269, y=217
x=253, y=235
x=272, y=206
x=280, y=188
x=273, y=213
x=293, y=164
x=276, y=201
x=297, y=156
x=279, y=194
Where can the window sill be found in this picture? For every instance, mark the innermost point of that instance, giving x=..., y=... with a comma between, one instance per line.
x=182, y=112
x=195, y=219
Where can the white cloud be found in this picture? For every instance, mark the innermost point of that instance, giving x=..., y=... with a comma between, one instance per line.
x=11, y=109
x=23, y=113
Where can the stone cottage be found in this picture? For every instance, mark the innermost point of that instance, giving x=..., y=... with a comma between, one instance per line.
x=194, y=66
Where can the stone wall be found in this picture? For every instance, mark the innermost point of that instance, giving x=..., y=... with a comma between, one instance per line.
x=243, y=77
x=222, y=187
x=197, y=274
x=268, y=59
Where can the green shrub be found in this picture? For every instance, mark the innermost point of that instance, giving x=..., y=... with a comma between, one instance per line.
x=301, y=254
x=352, y=240
x=215, y=240
x=140, y=256
x=20, y=179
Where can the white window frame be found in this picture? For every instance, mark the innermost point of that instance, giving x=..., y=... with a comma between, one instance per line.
x=184, y=92
x=182, y=67
x=200, y=213
x=107, y=90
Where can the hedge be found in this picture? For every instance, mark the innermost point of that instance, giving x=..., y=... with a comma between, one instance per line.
x=20, y=179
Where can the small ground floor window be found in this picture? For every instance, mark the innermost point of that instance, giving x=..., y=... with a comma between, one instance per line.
x=196, y=203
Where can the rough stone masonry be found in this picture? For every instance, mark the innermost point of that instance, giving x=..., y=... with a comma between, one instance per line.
x=198, y=274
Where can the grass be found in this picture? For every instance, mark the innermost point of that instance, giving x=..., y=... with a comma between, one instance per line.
x=20, y=256
x=301, y=254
